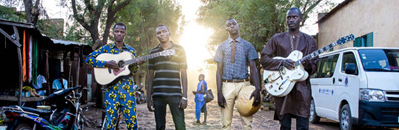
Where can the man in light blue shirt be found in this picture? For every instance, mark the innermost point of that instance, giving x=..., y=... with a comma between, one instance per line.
x=38, y=85
x=233, y=58
x=60, y=83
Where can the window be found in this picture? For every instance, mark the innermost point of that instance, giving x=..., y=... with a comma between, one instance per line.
x=348, y=57
x=322, y=72
x=334, y=63
x=382, y=60
x=364, y=41
x=326, y=66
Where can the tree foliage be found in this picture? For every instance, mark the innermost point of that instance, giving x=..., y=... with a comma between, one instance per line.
x=10, y=13
x=88, y=13
x=259, y=20
x=142, y=17
x=33, y=10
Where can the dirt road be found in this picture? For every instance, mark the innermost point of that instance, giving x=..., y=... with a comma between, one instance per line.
x=263, y=120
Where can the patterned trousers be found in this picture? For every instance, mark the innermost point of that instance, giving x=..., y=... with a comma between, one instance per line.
x=120, y=97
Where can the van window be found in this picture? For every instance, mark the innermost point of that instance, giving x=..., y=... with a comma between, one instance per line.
x=380, y=59
x=326, y=66
x=348, y=57
x=322, y=72
x=334, y=63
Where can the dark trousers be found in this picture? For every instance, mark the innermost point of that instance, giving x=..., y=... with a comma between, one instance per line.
x=160, y=112
x=302, y=123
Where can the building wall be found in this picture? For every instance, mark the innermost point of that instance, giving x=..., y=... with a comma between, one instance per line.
x=361, y=17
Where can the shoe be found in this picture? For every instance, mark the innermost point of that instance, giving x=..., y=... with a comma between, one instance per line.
x=197, y=123
x=204, y=123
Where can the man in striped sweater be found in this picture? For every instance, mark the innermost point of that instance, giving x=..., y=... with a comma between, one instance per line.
x=166, y=77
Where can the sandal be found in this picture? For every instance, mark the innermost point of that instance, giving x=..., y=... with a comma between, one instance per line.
x=197, y=123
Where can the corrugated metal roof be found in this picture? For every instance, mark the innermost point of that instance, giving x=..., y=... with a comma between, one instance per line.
x=30, y=26
x=57, y=41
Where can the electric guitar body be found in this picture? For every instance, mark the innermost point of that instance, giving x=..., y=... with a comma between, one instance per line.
x=280, y=82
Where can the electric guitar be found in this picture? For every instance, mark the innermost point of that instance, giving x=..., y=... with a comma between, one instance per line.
x=280, y=82
x=107, y=75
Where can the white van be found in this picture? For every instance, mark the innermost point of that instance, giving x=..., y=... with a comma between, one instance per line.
x=358, y=86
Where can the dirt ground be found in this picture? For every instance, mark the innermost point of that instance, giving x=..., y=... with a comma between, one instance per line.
x=262, y=120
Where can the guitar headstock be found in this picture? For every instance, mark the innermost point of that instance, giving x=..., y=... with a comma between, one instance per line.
x=168, y=52
x=345, y=39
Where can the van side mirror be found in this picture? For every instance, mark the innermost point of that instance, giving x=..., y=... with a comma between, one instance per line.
x=350, y=68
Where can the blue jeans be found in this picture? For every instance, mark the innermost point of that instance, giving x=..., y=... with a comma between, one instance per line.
x=199, y=107
x=160, y=112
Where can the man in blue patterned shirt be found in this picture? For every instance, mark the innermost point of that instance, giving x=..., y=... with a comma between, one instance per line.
x=119, y=95
x=232, y=57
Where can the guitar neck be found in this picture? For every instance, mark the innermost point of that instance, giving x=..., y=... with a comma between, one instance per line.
x=316, y=53
x=143, y=58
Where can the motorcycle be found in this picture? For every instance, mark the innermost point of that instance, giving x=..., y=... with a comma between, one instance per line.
x=66, y=114
x=139, y=95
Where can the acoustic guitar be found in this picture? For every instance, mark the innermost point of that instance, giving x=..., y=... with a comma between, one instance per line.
x=107, y=75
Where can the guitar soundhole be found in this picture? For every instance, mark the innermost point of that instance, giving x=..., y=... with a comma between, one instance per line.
x=121, y=64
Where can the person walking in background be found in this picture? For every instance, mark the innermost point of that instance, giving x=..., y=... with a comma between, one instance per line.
x=200, y=104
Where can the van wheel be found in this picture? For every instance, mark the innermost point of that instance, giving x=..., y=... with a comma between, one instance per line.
x=345, y=118
x=313, y=116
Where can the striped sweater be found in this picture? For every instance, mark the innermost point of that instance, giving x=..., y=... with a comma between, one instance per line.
x=166, y=80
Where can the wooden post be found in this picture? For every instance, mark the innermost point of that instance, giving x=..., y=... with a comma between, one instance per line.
x=78, y=67
x=70, y=63
x=20, y=78
x=19, y=65
x=47, y=73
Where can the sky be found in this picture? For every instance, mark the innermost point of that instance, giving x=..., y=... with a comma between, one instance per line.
x=189, y=8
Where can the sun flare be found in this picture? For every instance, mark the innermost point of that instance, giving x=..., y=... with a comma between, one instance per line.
x=194, y=40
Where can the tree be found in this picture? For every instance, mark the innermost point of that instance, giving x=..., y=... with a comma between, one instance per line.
x=142, y=17
x=259, y=20
x=32, y=11
x=88, y=15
